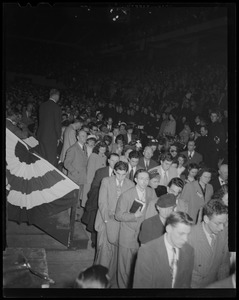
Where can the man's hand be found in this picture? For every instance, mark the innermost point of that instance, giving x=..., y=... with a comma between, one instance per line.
x=138, y=213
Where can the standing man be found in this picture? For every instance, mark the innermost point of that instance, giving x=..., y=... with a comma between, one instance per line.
x=69, y=137
x=221, y=179
x=106, y=224
x=210, y=242
x=49, y=130
x=191, y=155
x=130, y=225
x=166, y=170
x=154, y=226
x=167, y=262
x=76, y=161
x=133, y=164
x=204, y=146
x=146, y=162
x=91, y=206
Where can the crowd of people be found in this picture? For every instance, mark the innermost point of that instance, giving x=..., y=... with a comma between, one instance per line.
x=147, y=147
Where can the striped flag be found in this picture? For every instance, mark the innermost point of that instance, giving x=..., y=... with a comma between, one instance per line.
x=37, y=189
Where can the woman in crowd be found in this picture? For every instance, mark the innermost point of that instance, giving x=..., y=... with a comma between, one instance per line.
x=195, y=194
x=190, y=173
x=118, y=146
x=181, y=161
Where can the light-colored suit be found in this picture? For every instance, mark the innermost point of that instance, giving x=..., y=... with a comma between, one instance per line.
x=69, y=139
x=193, y=197
x=152, y=266
x=95, y=162
x=75, y=163
x=128, y=234
x=107, y=238
x=171, y=173
x=209, y=266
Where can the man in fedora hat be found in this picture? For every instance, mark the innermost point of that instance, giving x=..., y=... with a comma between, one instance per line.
x=154, y=227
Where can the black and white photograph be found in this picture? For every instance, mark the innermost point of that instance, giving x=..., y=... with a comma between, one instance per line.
x=118, y=117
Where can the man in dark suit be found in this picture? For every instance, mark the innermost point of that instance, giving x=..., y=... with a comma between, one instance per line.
x=129, y=136
x=152, y=228
x=75, y=162
x=217, y=136
x=204, y=146
x=49, y=130
x=210, y=242
x=191, y=155
x=167, y=262
x=221, y=179
x=146, y=162
x=91, y=205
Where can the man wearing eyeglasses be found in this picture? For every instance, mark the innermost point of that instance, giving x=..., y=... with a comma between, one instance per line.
x=210, y=242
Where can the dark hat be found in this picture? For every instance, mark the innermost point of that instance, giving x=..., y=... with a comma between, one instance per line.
x=167, y=200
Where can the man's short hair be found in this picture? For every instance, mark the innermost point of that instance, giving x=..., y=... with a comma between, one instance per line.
x=176, y=181
x=54, y=92
x=140, y=171
x=178, y=217
x=134, y=154
x=166, y=156
x=94, y=274
x=121, y=165
x=214, y=207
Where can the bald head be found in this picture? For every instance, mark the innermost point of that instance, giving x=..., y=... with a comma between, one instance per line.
x=223, y=172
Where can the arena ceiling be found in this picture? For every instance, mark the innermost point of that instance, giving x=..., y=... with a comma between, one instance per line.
x=84, y=25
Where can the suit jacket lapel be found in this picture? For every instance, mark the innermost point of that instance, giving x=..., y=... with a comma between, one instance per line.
x=164, y=263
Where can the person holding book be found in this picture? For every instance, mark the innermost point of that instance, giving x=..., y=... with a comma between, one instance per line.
x=130, y=222
x=106, y=225
x=154, y=227
x=167, y=262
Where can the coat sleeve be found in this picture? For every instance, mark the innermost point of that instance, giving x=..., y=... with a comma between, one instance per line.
x=224, y=268
x=143, y=269
x=103, y=203
x=69, y=159
x=91, y=168
x=58, y=122
x=145, y=231
x=186, y=194
x=122, y=208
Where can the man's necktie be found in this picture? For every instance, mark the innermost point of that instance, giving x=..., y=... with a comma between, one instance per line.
x=118, y=190
x=213, y=241
x=131, y=175
x=173, y=267
x=85, y=151
x=165, y=179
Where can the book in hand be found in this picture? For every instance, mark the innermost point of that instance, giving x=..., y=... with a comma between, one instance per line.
x=135, y=206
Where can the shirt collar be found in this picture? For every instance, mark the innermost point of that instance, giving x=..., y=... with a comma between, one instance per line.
x=170, y=247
